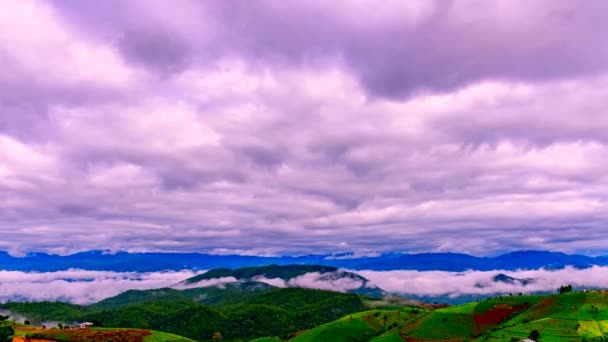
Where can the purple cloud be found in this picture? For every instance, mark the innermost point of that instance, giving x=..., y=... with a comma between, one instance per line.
x=269, y=128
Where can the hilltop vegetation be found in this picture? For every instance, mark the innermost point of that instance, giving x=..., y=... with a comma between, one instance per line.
x=360, y=327
x=267, y=312
x=231, y=293
x=569, y=317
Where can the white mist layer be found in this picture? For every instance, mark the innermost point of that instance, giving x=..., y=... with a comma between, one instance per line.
x=84, y=287
x=436, y=283
x=80, y=286
x=312, y=280
x=217, y=282
x=316, y=280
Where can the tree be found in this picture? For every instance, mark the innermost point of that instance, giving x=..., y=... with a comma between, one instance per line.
x=26, y=322
x=6, y=333
x=217, y=336
x=97, y=323
x=565, y=289
x=534, y=335
x=3, y=318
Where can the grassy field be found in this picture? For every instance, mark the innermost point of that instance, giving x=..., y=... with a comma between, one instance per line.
x=572, y=317
x=364, y=326
x=569, y=317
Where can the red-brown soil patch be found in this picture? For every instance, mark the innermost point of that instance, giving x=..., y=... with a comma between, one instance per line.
x=412, y=339
x=88, y=335
x=496, y=315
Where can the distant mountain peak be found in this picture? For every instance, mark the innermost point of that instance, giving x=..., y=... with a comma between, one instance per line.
x=503, y=278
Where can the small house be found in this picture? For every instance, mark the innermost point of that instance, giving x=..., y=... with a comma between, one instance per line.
x=85, y=325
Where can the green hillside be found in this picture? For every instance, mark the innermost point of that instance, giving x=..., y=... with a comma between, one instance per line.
x=251, y=314
x=570, y=317
x=231, y=293
x=364, y=326
x=250, y=311
x=579, y=316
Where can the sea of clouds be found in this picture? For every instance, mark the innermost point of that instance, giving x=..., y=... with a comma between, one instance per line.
x=454, y=284
x=80, y=286
x=83, y=287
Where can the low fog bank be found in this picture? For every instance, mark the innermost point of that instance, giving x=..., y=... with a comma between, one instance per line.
x=80, y=286
x=217, y=282
x=84, y=287
x=455, y=284
x=315, y=280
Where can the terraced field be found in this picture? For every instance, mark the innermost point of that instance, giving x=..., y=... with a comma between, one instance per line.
x=364, y=326
x=572, y=317
x=580, y=316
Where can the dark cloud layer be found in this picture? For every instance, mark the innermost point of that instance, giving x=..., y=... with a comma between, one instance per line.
x=270, y=127
x=396, y=49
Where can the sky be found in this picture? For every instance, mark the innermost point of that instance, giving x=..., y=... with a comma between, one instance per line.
x=288, y=128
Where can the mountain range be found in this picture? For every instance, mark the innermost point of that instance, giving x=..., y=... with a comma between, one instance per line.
x=150, y=262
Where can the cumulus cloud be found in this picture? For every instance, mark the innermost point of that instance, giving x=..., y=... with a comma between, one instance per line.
x=80, y=286
x=401, y=128
x=437, y=283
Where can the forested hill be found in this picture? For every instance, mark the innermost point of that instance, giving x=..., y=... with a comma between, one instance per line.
x=239, y=313
x=302, y=315
x=285, y=273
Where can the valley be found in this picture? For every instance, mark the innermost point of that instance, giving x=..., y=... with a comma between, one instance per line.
x=245, y=307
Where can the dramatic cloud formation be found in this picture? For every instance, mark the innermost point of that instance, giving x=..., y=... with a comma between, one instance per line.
x=276, y=127
x=79, y=286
